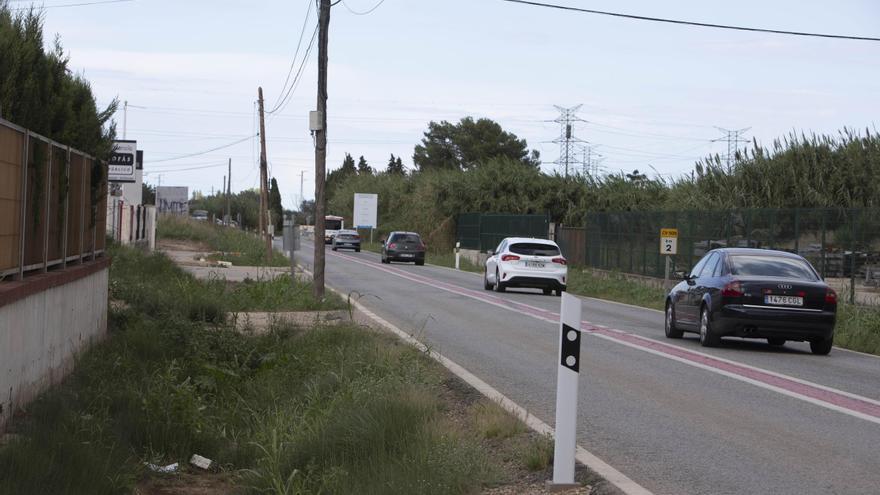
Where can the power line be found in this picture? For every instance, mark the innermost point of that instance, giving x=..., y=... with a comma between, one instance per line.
x=162, y=172
x=298, y=77
x=365, y=12
x=296, y=52
x=84, y=4
x=693, y=23
x=203, y=152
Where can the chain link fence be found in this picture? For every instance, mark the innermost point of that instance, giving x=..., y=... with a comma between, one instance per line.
x=843, y=244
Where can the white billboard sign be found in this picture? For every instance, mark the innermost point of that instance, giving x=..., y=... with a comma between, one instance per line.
x=173, y=200
x=123, y=160
x=365, y=208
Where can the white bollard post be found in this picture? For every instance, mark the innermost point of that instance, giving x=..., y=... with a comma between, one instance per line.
x=457, y=255
x=567, y=392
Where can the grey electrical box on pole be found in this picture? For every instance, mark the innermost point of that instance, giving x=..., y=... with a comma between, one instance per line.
x=316, y=123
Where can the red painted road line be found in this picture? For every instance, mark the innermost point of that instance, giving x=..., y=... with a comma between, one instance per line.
x=863, y=406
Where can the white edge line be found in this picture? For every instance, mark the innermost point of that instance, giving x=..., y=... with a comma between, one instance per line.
x=751, y=381
x=585, y=457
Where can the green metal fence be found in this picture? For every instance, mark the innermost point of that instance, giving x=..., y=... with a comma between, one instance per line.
x=484, y=231
x=841, y=243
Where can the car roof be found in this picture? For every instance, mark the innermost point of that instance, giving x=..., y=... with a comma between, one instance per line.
x=404, y=233
x=530, y=239
x=756, y=251
x=348, y=231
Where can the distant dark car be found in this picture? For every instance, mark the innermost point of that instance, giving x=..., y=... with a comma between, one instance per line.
x=347, y=239
x=403, y=246
x=753, y=293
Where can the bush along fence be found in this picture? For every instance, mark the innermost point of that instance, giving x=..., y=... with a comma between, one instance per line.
x=52, y=203
x=841, y=243
x=484, y=231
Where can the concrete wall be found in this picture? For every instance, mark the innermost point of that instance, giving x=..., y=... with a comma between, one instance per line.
x=41, y=332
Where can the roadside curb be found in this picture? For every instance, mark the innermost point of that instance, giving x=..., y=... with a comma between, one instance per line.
x=585, y=457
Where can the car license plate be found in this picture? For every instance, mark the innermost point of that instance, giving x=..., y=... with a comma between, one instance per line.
x=405, y=255
x=784, y=300
x=534, y=264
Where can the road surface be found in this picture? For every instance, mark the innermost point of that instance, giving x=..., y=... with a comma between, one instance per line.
x=745, y=418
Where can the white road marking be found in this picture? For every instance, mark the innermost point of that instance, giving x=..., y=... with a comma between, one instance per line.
x=553, y=320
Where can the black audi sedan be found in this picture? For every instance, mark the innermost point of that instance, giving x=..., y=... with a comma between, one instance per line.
x=753, y=293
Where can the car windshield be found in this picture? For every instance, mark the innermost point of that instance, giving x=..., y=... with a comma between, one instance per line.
x=771, y=266
x=407, y=238
x=534, y=249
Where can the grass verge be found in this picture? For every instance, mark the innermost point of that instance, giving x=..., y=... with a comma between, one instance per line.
x=858, y=327
x=235, y=246
x=296, y=411
x=614, y=288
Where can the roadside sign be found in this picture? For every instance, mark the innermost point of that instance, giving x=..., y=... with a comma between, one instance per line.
x=365, y=206
x=669, y=241
x=123, y=162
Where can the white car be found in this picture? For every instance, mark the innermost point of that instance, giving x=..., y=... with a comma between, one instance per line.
x=524, y=262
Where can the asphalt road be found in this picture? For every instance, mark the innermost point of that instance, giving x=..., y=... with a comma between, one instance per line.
x=677, y=418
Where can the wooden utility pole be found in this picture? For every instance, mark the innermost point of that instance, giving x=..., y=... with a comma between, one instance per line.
x=321, y=148
x=228, y=218
x=264, y=187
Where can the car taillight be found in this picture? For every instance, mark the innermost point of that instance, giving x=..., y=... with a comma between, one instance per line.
x=560, y=260
x=509, y=257
x=732, y=289
x=392, y=246
x=831, y=297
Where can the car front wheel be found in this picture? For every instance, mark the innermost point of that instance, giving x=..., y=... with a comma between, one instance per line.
x=707, y=336
x=486, y=284
x=671, y=331
x=776, y=342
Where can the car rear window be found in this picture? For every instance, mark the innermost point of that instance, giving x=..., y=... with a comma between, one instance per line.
x=771, y=266
x=534, y=249
x=407, y=238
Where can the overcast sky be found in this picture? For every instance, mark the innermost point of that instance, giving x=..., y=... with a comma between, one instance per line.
x=651, y=93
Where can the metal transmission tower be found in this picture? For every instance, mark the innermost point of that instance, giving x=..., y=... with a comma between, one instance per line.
x=568, y=143
x=592, y=161
x=734, y=139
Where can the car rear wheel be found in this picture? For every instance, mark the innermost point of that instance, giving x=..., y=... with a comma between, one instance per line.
x=707, y=336
x=357, y=250
x=499, y=286
x=671, y=331
x=776, y=342
x=420, y=262
x=547, y=292
x=334, y=248
x=486, y=284
x=384, y=260
x=559, y=292
x=821, y=347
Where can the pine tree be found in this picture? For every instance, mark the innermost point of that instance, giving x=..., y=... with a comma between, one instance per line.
x=395, y=166
x=363, y=167
x=275, y=205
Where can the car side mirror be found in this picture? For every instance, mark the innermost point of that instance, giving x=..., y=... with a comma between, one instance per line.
x=490, y=253
x=681, y=275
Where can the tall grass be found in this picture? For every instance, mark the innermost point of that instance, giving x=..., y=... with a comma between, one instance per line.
x=323, y=410
x=233, y=245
